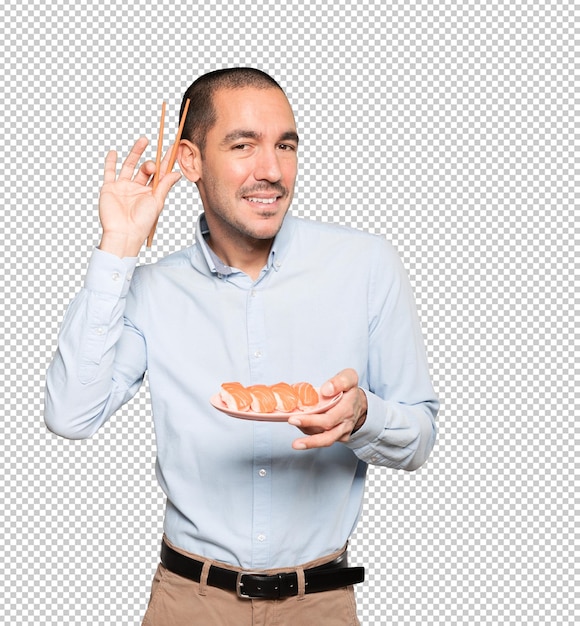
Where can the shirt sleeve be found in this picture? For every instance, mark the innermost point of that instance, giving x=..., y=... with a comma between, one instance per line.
x=100, y=359
x=400, y=428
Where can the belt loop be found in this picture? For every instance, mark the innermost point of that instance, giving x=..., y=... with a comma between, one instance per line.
x=203, y=577
x=301, y=583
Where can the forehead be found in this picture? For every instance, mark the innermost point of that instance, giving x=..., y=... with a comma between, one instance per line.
x=260, y=110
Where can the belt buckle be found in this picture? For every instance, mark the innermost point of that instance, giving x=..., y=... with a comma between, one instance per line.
x=240, y=584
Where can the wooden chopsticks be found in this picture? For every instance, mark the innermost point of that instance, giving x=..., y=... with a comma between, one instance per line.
x=157, y=174
x=172, y=156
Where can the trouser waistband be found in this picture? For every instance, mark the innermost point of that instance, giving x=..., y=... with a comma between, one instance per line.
x=248, y=584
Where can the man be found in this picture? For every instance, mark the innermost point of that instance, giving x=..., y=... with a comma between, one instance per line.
x=258, y=513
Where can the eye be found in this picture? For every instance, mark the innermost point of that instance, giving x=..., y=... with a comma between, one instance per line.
x=287, y=147
x=241, y=146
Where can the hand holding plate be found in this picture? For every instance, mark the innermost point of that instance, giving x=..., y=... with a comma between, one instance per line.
x=339, y=422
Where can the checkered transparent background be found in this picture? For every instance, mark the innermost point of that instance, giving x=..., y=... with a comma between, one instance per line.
x=447, y=126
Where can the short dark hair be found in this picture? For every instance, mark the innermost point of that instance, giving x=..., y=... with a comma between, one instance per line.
x=202, y=115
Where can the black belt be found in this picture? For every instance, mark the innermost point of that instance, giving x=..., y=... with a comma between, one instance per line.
x=267, y=586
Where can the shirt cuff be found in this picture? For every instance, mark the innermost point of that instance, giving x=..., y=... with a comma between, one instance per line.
x=108, y=274
x=374, y=423
x=363, y=441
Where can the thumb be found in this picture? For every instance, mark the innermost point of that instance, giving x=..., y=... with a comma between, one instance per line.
x=343, y=381
x=327, y=389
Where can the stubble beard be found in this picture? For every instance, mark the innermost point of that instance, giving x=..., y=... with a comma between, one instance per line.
x=235, y=227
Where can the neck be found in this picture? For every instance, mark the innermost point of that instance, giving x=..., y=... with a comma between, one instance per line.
x=237, y=248
x=249, y=256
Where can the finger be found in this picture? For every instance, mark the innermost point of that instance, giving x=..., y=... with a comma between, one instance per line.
x=145, y=172
x=171, y=156
x=162, y=167
x=320, y=440
x=166, y=159
x=110, y=167
x=166, y=183
x=315, y=422
x=130, y=163
x=165, y=162
x=343, y=416
x=343, y=381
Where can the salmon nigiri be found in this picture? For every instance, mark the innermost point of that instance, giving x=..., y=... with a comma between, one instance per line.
x=236, y=397
x=263, y=398
x=286, y=397
x=307, y=395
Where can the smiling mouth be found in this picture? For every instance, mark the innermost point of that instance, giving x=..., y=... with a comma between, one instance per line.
x=264, y=194
x=262, y=200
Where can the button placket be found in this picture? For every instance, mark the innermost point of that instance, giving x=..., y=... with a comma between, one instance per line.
x=256, y=335
x=261, y=469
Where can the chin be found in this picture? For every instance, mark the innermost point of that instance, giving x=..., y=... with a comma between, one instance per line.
x=266, y=233
x=267, y=228
x=270, y=230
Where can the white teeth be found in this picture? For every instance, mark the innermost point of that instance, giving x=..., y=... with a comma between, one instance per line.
x=262, y=200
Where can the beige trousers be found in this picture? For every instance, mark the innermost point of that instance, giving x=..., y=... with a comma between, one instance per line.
x=177, y=601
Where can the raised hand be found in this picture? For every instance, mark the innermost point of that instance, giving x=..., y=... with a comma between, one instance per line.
x=128, y=204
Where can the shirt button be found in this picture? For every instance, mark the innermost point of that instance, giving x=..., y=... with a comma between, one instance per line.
x=100, y=330
x=277, y=265
x=262, y=473
x=115, y=276
x=261, y=537
x=258, y=354
x=253, y=293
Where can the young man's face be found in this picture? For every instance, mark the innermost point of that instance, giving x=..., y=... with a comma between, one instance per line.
x=249, y=165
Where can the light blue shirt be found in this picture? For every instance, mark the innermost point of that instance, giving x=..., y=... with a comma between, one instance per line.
x=328, y=298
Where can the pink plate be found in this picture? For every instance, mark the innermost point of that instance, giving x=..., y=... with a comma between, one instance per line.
x=322, y=406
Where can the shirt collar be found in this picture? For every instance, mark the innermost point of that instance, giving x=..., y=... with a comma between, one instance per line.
x=219, y=268
x=215, y=264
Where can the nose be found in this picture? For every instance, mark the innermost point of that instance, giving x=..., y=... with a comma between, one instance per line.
x=267, y=165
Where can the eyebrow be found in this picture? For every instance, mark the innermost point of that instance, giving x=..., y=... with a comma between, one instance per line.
x=290, y=135
x=238, y=134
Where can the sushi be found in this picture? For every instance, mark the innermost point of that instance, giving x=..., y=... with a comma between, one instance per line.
x=286, y=397
x=280, y=397
x=235, y=396
x=263, y=399
x=307, y=395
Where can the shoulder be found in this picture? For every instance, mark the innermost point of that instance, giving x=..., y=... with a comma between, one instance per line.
x=175, y=262
x=329, y=234
x=330, y=229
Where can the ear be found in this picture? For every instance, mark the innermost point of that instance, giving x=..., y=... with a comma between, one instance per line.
x=189, y=159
